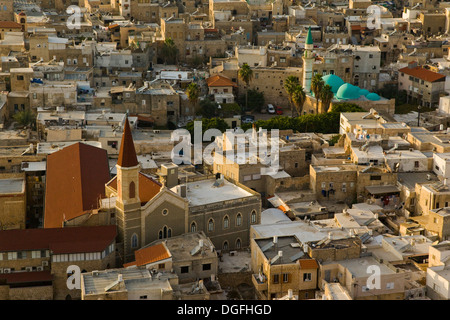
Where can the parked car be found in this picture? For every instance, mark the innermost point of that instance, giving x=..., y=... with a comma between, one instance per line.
x=247, y=118
x=279, y=110
x=270, y=108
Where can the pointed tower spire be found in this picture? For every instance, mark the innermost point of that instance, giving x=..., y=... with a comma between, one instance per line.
x=127, y=154
x=309, y=39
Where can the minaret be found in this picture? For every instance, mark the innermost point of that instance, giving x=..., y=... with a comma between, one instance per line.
x=128, y=204
x=308, y=60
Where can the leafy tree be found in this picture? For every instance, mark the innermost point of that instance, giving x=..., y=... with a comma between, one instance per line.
x=25, y=118
x=253, y=100
x=326, y=95
x=317, y=85
x=193, y=93
x=299, y=98
x=208, y=108
x=170, y=51
x=326, y=123
x=289, y=86
x=213, y=123
x=246, y=74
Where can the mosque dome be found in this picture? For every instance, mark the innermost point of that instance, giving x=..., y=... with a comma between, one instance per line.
x=348, y=92
x=363, y=92
x=334, y=81
x=373, y=96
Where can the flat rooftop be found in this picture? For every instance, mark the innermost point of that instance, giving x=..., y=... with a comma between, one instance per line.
x=133, y=278
x=180, y=247
x=50, y=147
x=410, y=179
x=204, y=192
x=358, y=267
x=9, y=186
x=291, y=248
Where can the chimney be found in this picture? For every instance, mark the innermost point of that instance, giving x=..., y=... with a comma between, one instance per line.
x=275, y=239
x=119, y=277
x=290, y=294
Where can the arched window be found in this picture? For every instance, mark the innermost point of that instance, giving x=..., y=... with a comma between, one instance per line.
x=238, y=244
x=225, y=245
x=165, y=232
x=238, y=219
x=226, y=222
x=211, y=225
x=160, y=234
x=253, y=216
x=132, y=190
x=134, y=241
x=193, y=227
x=169, y=233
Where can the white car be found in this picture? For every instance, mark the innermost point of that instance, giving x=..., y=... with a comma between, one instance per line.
x=270, y=108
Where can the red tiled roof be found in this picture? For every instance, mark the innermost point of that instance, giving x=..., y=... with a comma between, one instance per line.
x=26, y=277
x=127, y=153
x=148, y=255
x=148, y=187
x=220, y=81
x=10, y=24
x=59, y=240
x=308, y=264
x=422, y=73
x=76, y=177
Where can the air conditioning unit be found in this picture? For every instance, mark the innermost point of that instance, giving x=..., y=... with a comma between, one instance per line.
x=29, y=269
x=45, y=263
x=40, y=268
x=7, y=270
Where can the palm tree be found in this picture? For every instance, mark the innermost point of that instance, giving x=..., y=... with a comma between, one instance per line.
x=169, y=51
x=289, y=85
x=317, y=84
x=326, y=95
x=25, y=118
x=193, y=93
x=246, y=74
x=299, y=98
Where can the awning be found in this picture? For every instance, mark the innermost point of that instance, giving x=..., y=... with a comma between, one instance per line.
x=379, y=190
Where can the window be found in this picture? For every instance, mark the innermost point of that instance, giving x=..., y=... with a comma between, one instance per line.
x=12, y=255
x=165, y=212
x=206, y=266
x=184, y=269
x=193, y=227
x=226, y=222
x=143, y=297
x=253, y=216
x=239, y=219
x=390, y=285
x=375, y=177
x=307, y=277
x=134, y=241
x=161, y=266
x=238, y=244
x=276, y=278
x=225, y=245
x=211, y=225
x=132, y=190
x=285, y=277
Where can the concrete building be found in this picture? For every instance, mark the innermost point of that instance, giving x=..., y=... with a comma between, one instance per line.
x=190, y=256
x=13, y=201
x=422, y=86
x=280, y=264
x=42, y=256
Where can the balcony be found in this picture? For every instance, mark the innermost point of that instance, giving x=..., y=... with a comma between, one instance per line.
x=260, y=285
